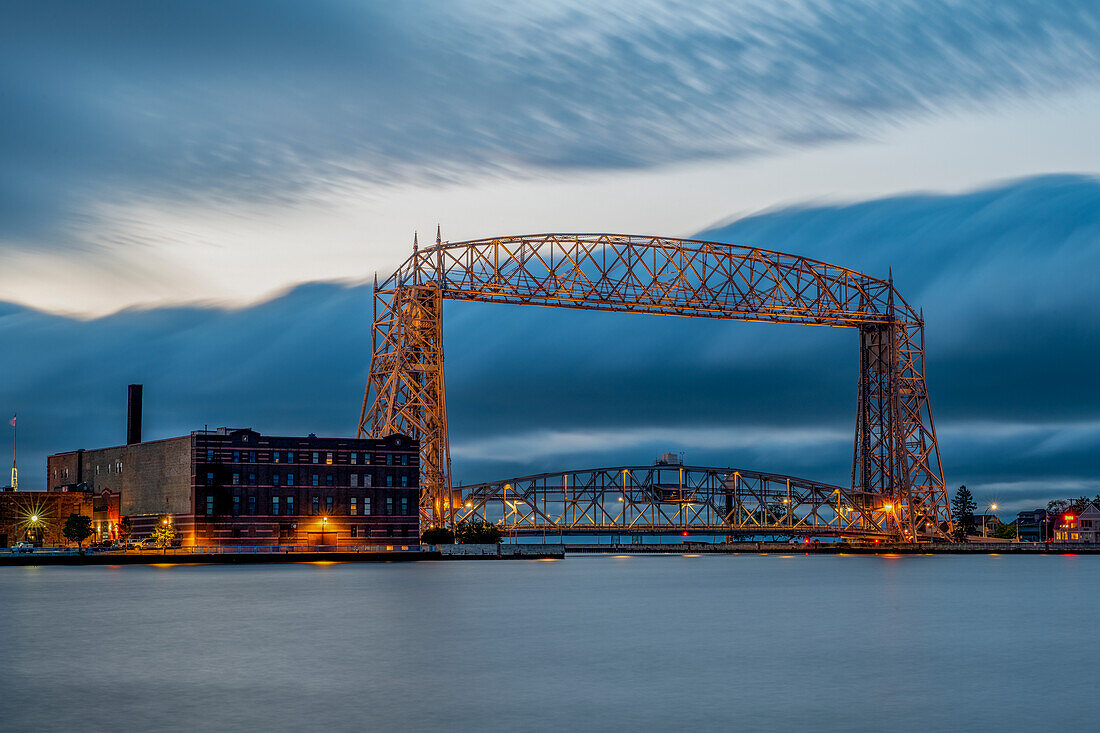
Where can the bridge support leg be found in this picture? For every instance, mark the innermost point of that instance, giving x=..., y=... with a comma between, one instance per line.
x=896, y=460
x=405, y=391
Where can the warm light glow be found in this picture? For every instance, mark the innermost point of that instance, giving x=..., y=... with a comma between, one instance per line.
x=1068, y=517
x=993, y=507
x=34, y=517
x=888, y=507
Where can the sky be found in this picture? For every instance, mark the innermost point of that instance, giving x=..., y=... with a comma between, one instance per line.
x=195, y=195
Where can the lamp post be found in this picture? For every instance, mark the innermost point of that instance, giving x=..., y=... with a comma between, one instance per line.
x=993, y=508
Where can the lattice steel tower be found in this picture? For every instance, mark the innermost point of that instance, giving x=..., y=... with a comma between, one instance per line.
x=896, y=462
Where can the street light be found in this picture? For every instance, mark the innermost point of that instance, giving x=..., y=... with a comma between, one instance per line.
x=992, y=508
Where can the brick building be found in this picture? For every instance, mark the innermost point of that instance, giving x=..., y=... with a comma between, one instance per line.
x=238, y=487
x=38, y=516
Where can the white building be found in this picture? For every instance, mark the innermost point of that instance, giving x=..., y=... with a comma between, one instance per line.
x=1079, y=526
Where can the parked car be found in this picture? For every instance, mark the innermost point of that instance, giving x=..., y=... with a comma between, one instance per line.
x=22, y=547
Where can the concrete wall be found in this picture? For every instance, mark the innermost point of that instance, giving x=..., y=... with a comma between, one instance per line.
x=152, y=478
x=501, y=550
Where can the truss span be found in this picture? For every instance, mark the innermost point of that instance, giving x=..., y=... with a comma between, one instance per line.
x=675, y=499
x=895, y=454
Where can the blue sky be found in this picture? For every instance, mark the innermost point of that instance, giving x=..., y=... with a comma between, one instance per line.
x=170, y=175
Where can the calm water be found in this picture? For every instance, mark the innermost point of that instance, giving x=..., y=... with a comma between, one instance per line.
x=742, y=643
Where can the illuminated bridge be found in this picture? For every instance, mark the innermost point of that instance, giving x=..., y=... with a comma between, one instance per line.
x=668, y=498
x=895, y=459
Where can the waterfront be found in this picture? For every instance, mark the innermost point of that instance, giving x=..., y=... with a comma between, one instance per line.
x=747, y=642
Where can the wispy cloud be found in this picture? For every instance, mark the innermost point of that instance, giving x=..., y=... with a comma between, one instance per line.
x=117, y=101
x=1010, y=307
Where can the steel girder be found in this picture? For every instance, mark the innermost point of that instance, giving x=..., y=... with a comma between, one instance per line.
x=895, y=455
x=665, y=499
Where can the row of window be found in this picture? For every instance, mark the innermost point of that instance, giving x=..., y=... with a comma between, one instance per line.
x=115, y=467
x=356, y=480
x=327, y=458
x=284, y=505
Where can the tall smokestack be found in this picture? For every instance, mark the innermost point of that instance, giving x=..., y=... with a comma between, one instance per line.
x=133, y=415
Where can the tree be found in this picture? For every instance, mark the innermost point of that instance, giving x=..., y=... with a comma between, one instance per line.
x=962, y=507
x=125, y=528
x=163, y=534
x=477, y=533
x=438, y=536
x=78, y=527
x=1005, y=532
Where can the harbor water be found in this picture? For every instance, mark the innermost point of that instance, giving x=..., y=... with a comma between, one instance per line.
x=717, y=642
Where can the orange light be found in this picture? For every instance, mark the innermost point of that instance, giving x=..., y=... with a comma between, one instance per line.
x=1068, y=517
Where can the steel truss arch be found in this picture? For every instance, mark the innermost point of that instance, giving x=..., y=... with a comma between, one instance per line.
x=671, y=498
x=895, y=454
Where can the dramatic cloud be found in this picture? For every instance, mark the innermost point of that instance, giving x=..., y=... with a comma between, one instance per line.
x=110, y=103
x=1005, y=277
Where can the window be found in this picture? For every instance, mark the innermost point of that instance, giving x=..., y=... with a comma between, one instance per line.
x=389, y=459
x=316, y=480
x=351, y=458
x=328, y=479
x=389, y=479
x=236, y=505
x=328, y=505
x=354, y=529
x=328, y=458
x=290, y=479
x=355, y=479
x=405, y=480
x=236, y=456
x=316, y=505
x=252, y=478
x=290, y=505
x=209, y=505
x=353, y=506
x=275, y=457
x=290, y=456
x=316, y=457
x=252, y=505
x=404, y=505
x=366, y=479
x=96, y=471
x=209, y=478
x=366, y=458
x=275, y=506
x=251, y=456
x=274, y=479
x=404, y=459
x=366, y=506
x=210, y=455
x=236, y=479
x=389, y=506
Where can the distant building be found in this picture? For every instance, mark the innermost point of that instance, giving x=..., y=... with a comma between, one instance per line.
x=989, y=521
x=1034, y=525
x=1079, y=526
x=238, y=487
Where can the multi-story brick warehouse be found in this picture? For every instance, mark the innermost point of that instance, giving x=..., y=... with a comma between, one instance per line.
x=238, y=487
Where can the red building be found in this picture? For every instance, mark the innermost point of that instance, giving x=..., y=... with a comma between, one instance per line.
x=239, y=487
